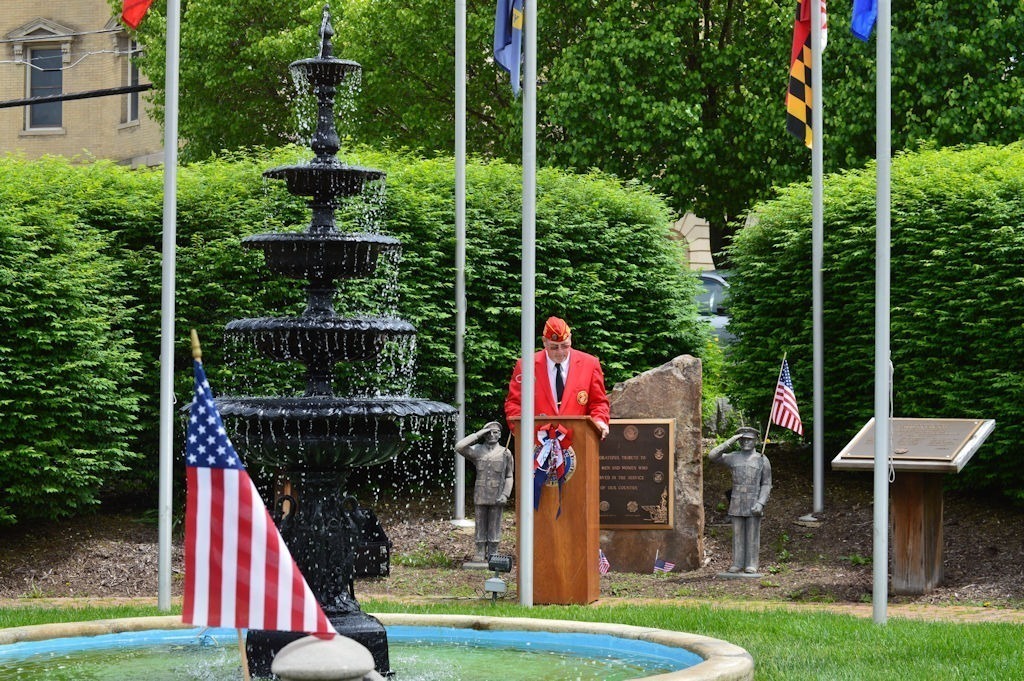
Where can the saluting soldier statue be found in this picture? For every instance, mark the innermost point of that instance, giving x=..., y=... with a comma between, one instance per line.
x=495, y=468
x=751, y=485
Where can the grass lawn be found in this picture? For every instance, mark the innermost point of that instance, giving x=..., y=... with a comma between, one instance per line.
x=785, y=645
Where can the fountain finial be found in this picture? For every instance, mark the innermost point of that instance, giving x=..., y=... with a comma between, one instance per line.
x=326, y=33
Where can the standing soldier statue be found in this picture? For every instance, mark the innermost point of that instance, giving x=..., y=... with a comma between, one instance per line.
x=751, y=485
x=494, y=470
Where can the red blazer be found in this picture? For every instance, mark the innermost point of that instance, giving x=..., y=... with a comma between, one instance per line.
x=584, y=393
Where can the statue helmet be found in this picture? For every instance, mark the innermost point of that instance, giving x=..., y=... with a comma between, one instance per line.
x=747, y=431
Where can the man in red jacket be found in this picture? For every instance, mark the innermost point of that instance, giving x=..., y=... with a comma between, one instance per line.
x=567, y=382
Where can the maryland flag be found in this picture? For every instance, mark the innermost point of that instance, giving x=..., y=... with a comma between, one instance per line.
x=798, y=96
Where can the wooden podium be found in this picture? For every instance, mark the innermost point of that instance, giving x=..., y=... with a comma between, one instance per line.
x=565, y=549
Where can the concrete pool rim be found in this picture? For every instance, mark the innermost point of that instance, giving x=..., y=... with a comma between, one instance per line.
x=723, y=661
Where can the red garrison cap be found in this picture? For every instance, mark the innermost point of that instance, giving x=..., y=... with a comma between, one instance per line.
x=556, y=330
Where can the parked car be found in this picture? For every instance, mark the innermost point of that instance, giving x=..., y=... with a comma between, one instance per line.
x=713, y=302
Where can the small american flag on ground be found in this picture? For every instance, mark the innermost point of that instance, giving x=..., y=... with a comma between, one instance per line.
x=784, y=409
x=603, y=566
x=238, y=571
x=662, y=565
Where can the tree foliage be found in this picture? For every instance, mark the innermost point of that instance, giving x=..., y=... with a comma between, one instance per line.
x=957, y=326
x=956, y=79
x=407, y=51
x=687, y=97
x=679, y=95
x=235, y=89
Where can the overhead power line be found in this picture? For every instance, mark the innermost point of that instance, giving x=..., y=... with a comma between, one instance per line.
x=88, y=94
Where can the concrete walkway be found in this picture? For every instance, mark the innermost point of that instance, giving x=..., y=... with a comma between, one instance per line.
x=915, y=611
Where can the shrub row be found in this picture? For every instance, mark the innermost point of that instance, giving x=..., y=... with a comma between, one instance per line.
x=957, y=322
x=603, y=262
x=68, y=408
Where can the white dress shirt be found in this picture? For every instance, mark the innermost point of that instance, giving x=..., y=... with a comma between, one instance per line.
x=551, y=376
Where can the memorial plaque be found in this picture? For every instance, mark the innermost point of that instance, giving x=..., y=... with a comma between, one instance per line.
x=637, y=474
x=919, y=444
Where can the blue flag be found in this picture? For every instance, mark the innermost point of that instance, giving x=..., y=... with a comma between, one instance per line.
x=508, y=38
x=865, y=12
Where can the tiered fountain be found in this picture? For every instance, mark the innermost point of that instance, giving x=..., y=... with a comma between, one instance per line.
x=315, y=439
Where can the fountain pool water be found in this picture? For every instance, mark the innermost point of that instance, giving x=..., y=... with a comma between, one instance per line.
x=423, y=647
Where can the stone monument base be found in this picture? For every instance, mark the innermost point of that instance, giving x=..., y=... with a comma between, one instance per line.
x=669, y=391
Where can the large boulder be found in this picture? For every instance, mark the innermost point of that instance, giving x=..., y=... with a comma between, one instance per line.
x=671, y=391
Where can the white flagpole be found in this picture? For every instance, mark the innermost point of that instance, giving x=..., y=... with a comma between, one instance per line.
x=883, y=155
x=817, y=255
x=529, y=313
x=165, y=511
x=460, y=257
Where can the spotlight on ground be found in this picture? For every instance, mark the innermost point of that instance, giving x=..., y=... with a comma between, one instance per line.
x=496, y=585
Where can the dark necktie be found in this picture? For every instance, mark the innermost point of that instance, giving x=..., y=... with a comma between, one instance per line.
x=559, y=384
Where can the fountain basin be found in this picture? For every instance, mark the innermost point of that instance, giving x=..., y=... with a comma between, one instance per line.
x=324, y=70
x=321, y=256
x=321, y=433
x=324, y=179
x=720, y=659
x=320, y=339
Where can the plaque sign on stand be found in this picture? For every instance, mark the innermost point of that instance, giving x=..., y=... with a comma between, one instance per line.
x=924, y=449
x=566, y=545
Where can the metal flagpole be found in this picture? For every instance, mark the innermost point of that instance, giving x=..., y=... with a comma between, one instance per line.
x=460, y=257
x=528, y=316
x=883, y=153
x=817, y=255
x=167, y=306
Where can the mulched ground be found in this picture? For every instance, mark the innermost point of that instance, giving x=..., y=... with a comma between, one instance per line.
x=115, y=555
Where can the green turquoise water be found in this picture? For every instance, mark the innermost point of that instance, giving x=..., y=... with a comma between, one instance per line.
x=416, y=654
x=411, y=663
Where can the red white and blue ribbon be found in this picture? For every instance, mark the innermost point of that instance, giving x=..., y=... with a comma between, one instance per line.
x=552, y=460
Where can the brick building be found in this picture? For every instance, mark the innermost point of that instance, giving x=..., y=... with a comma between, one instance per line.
x=65, y=47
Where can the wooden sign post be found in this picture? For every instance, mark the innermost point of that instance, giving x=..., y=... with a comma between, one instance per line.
x=923, y=450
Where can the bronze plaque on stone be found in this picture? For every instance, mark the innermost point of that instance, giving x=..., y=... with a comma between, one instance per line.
x=919, y=444
x=637, y=474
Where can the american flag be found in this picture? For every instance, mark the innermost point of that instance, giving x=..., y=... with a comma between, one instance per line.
x=784, y=409
x=662, y=565
x=238, y=571
x=603, y=566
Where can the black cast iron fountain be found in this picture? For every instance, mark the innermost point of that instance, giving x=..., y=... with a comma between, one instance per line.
x=314, y=440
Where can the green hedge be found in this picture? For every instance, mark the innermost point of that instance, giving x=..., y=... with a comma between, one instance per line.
x=68, y=409
x=603, y=262
x=957, y=318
